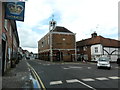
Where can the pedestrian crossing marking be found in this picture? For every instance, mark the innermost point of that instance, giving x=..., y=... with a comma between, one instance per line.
x=114, y=77
x=72, y=81
x=84, y=79
x=102, y=78
x=55, y=82
x=88, y=79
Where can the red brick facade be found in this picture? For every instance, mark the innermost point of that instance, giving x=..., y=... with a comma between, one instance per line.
x=10, y=41
x=63, y=45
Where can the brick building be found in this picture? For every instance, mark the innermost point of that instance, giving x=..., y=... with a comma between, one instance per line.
x=10, y=41
x=57, y=45
x=92, y=48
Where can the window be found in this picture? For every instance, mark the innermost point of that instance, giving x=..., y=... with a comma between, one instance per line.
x=85, y=48
x=9, y=53
x=5, y=24
x=96, y=49
x=42, y=44
x=78, y=49
x=48, y=40
x=63, y=39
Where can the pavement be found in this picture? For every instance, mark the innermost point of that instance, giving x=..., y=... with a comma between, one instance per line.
x=17, y=78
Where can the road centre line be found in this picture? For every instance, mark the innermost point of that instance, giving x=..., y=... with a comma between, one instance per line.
x=74, y=67
x=89, y=67
x=66, y=68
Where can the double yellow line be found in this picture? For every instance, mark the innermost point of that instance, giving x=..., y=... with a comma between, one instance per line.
x=37, y=77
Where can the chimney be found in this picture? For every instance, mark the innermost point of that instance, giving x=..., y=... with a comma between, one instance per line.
x=94, y=34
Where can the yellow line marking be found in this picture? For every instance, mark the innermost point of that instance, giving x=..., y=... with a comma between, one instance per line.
x=38, y=77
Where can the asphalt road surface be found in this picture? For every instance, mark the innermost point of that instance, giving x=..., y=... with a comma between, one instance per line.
x=76, y=75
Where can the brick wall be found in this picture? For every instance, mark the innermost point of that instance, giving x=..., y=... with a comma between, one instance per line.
x=63, y=41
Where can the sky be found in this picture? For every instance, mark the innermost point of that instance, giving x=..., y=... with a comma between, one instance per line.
x=82, y=17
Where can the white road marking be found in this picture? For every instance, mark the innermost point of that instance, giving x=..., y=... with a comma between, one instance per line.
x=55, y=82
x=88, y=79
x=87, y=85
x=74, y=67
x=46, y=64
x=116, y=67
x=72, y=81
x=75, y=80
x=89, y=67
x=71, y=67
x=102, y=78
x=66, y=68
x=114, y=77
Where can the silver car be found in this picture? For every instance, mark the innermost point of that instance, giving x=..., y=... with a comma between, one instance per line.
x=104, y=62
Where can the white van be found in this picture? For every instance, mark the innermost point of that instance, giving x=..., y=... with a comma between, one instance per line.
x=104, y=62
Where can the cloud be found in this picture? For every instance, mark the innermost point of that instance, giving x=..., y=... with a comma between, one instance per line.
x=28, y=38
x=35, y=12
x=80, y=16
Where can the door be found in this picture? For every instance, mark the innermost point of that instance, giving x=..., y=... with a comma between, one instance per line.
x=3, y=55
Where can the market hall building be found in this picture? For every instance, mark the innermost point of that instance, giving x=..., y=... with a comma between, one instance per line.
x=57, y=45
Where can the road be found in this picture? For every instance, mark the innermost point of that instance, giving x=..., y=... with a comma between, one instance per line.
x=75, y=75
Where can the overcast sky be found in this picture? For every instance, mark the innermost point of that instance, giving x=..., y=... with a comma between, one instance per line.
x=82, y=17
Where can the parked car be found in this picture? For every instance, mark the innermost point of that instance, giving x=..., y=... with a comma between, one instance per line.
x=27, y=57
x=104, y=62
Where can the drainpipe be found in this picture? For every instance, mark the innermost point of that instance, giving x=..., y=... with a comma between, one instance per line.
x=12, y=49
x=75, y=48
x=50, y=32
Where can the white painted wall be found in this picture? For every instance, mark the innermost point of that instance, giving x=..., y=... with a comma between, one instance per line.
x=95, y=56
x=99, y=49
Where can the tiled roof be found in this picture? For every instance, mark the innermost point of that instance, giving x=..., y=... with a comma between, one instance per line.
x=99, y=40
x=61, y=29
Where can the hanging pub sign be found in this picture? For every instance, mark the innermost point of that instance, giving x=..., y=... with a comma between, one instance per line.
x=15, y=10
